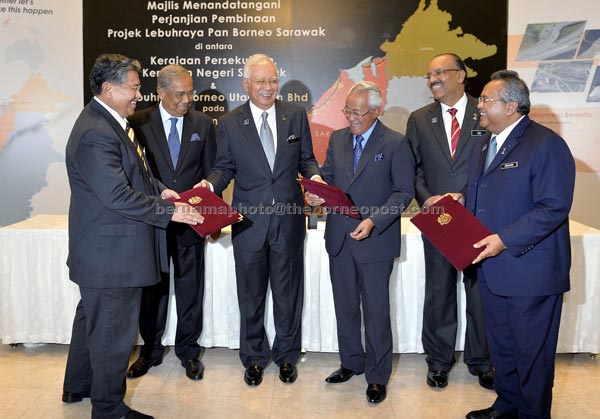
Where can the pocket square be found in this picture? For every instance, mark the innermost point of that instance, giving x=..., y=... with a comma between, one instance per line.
x=293, y=139
x=378, y=156
x=195, y=137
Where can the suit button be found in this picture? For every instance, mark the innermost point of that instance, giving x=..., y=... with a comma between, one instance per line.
x=174, y=180
x=480, y=210
x=272, y=181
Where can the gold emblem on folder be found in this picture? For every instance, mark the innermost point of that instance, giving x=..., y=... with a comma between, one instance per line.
x=194, y=200
x=444, y=219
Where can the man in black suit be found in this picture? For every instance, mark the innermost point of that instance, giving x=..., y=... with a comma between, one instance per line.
x=263, y=144
x=115, y=248
x=375, y=166
x=442, y=134
x=180, y=146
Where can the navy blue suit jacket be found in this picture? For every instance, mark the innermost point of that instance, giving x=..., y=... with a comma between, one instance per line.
x=525, y=196
x=113, y=212
x=240, y=155
x=382, y=188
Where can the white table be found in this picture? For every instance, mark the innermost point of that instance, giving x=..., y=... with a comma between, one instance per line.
x=37, y=300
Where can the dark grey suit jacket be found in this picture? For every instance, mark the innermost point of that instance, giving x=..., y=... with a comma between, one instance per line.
x=196, y=156
x=240, y=155
x=113, y=241
x=437, y=173
x=382, y=188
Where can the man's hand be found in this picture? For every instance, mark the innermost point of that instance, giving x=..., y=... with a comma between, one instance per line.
x=493, y=246
x=186, y=214
x=363, y=230
x=203, y=184
x=313, y=200
x=457, y=196
x=169, y=193
x=318, y=178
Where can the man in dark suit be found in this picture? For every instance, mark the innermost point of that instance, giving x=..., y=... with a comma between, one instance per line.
x=263, y=144
x=442, y=135
x=520, y=186
x=375, y=166
x=180, y=146
x=114, y=245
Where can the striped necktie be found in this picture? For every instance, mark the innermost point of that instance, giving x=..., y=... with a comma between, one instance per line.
x=492, y=149
x=454, y=132
x=131, y=136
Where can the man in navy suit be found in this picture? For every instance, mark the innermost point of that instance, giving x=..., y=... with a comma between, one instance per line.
x=442, y=136
x=180, y=146
x=375, y=166
x=263, y=144
x=520, y=186
x=115, y=248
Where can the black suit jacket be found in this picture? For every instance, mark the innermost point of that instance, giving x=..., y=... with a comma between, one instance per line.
x=113, y=241
x=240, y=155
x=196, y=156
x=382, y=188
x=437, y=173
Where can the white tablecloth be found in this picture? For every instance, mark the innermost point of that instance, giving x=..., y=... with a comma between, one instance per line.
x=37, y=300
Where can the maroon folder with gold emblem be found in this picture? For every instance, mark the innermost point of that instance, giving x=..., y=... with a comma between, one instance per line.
x=216, y=212
x=453, y=230
x=335, y=198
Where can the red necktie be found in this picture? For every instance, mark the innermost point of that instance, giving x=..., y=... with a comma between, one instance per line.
x=454, y=132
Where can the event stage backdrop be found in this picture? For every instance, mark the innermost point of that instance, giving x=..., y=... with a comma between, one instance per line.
x=321, y=47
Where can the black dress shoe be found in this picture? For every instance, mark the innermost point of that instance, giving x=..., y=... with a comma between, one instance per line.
x=490, y=413
x=253, y=375
x=141, y=366
x=376, y=393
x=486, y=379
x=341, y=375
x=193, y=369
x=68, y=397
x=437, y=378
x=134, y=414
x=288, y=373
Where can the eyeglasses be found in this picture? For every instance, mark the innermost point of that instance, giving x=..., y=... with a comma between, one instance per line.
x=179, y=95
x=135, y=89
x=439, y=72
x=354, y=113
x=484, y=100
x=263, y=82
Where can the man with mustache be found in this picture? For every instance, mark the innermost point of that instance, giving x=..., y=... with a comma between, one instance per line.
x=442, y=135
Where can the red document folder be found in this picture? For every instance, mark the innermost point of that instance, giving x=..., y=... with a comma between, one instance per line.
x=217, y=213
x=453, y=230
x=334, y=197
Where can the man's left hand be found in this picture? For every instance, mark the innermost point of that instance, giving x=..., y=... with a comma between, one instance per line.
x=493, y=246
x=363, y=230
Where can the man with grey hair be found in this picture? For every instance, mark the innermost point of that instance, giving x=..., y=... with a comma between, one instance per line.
x=263, y=145
x=115, y=247
x=520, y=186
x=375, y=166
x=180, y=146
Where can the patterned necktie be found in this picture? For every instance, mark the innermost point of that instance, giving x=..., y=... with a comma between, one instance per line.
x=174, y=143
x=454, y=132
x=358, y=148
x=266, y=139
x=492, y=148
x=131, y=136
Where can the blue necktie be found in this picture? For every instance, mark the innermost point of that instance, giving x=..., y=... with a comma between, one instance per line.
x=174, y=143
x=358, y=148
x=492, y=148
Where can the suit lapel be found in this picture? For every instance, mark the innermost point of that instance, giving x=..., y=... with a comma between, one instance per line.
x=283, y=127
x=509, y=145
x=349, y=154
x=470, y=120
x=186, y=136
x=368, y=152
x=250, y=132
x=157, y=127
x=437, y=127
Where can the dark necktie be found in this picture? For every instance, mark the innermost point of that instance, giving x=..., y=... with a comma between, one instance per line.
x=134, y=140
x=266, y=139
x=492, y=148
x=454, y=132
x=174, y=143
x=358, y=148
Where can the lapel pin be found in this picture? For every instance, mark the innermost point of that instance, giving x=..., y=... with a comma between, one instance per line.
x=246, y=122
x=434, y=120
x=283, y=117
x=503, y=150
x=475, y=116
